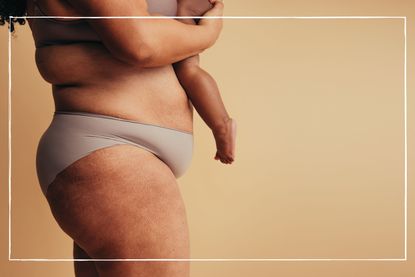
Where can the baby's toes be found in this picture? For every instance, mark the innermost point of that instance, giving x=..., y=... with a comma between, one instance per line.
x=229, y=156
x=223, y=160
x=220, y=157
x=216, y=156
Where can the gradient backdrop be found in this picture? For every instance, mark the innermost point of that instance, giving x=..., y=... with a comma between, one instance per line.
x=319, y=171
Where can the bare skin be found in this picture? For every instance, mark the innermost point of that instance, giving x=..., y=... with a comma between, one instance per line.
x=203, y=90
x=122, y=201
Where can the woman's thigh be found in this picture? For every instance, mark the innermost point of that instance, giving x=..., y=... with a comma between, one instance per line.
x=123, y=202
x=83, y=268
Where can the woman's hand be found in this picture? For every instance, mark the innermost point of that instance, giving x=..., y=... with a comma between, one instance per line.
x=213, y=25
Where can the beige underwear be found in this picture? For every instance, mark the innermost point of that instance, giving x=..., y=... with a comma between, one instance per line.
x=73, y=135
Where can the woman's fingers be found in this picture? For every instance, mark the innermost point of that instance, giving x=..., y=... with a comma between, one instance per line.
x=217, y=9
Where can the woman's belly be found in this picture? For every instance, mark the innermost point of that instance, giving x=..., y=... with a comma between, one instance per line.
x=85, y=77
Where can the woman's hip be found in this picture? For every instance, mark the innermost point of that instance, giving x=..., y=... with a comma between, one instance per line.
x=73, y=135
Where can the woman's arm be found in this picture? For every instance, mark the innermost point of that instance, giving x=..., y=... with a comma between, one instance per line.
x=148, y=42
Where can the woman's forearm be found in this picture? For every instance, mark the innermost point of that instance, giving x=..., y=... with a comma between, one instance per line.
x=149, y=41
x=167, y=41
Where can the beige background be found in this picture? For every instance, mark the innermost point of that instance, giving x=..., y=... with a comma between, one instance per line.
x=320, y=155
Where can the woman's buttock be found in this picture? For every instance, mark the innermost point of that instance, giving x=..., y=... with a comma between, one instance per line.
x=85, y=77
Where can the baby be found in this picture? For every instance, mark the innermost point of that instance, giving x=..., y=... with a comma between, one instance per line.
x=202, y=89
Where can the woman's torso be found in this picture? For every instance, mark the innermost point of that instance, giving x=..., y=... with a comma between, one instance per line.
x=86, y=77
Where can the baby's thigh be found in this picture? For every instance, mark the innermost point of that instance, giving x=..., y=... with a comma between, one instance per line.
x=123, y=202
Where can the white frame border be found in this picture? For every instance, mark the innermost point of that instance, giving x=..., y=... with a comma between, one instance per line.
x=214, y=259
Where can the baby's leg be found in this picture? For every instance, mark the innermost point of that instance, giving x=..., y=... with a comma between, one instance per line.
x=203, y=90
x=205, y=96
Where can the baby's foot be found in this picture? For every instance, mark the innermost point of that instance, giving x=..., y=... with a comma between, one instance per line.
x=225, y=136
